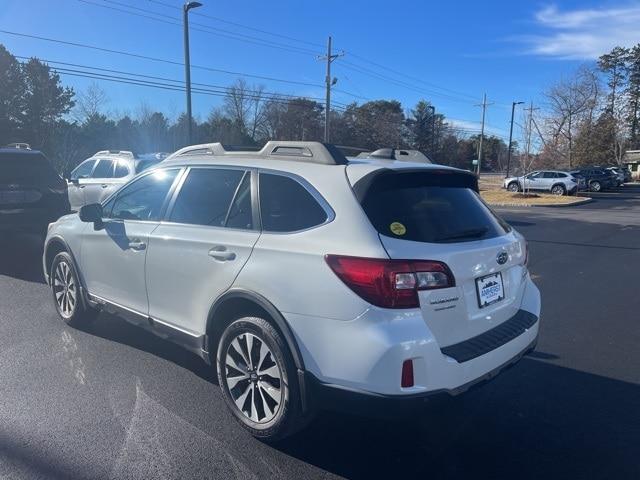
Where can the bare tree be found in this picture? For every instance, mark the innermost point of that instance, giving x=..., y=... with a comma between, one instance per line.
x=571, y=104
x=90, y=102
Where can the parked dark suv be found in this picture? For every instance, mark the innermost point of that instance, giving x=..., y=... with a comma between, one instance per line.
x=32, y=194
x=597, y=178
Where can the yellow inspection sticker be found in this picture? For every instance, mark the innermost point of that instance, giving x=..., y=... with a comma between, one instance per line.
x=397, y=228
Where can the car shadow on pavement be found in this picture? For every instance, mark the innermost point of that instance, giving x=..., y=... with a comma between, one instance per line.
x=537, y=420
x=115, y=329
x=21, y=257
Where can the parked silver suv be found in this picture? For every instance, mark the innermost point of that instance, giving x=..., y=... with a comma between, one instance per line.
x=99, y=176
x=309, y=281
x=556, y=182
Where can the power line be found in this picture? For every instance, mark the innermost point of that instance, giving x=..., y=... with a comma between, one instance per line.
x=161, y=60
x=167, y=19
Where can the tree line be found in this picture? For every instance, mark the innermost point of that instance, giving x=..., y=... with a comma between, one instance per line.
x=69, y=126
x=593, y=116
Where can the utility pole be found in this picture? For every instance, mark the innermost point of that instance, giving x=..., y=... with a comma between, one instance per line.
x=484, y=105
x=513, y=109
x=329, y=57
x=433, y=128
x=187, y=63
x=529, y=130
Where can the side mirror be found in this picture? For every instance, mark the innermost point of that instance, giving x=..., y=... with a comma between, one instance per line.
x=91, y=213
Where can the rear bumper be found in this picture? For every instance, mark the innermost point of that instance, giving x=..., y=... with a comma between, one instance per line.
x=31, y=219
x=343, y=399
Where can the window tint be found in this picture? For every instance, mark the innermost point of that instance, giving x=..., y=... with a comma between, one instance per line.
x=286, y=206
x=561, y=175
x=548, y=175
x=104, y=169
x=143, y=198
x=240, y=214
x=414, y=206
x=122, y=169
x=83, y=170
x=205, y=196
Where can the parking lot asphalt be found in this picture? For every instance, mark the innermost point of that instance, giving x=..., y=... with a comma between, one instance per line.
x=112, y=401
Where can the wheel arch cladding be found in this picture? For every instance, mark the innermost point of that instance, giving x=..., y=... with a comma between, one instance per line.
x=54, y=247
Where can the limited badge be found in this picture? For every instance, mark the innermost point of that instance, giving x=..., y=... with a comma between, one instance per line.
x=397, y=228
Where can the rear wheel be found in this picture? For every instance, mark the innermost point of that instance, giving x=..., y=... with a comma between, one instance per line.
x=595, y=186
x=558, y=190
x=65, y=287
x=258, y=379
x=513, y=187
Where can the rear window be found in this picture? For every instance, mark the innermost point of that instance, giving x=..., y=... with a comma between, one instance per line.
x=25, y=168
x=428, y=207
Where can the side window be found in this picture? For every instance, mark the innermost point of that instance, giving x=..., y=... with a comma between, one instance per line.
x=122, y=169
x=287, y=206
x=104, y=169
x=561, y=175
x=548, y=175
x=240, y=214
x=205, y=196
x=83, y=170
x=143, y=198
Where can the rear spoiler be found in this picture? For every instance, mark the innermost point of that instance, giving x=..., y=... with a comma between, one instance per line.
x=385, y=178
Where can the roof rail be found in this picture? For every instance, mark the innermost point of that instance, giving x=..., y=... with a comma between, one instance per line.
x=19, y=146
x=120, y=153
x=311, y=152
x=396, y=154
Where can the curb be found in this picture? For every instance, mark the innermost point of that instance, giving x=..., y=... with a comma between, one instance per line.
x=552, y=205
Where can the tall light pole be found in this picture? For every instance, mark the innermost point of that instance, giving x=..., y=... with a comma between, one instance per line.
x=433, y=127
x=513, y=110
x=187, y=63
x=329, y=81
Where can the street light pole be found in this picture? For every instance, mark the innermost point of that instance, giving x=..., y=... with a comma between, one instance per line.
x=433, y=127
x=187, y=63
x=513, y=109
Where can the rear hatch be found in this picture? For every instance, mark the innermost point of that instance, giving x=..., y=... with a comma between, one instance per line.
x=437, y=214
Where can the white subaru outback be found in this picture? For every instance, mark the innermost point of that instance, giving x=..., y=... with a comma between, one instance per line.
x=310, y=281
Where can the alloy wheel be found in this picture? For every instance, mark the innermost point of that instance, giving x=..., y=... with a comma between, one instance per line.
x=253, y=378
x=557, y=190
x=64, y=289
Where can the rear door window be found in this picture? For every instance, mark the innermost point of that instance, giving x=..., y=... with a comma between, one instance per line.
x=287, y=206
x=205, y=196
x=424, y=208
x=122, y=169
x=104, y=169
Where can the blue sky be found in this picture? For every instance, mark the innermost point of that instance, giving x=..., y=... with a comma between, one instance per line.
x=447, y=52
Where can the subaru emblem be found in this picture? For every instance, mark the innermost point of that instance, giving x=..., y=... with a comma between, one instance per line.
x=502, y=258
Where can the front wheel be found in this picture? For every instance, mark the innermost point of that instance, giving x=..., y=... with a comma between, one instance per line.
x=65, y=287
x=513, y=187
x=258, y=379
x=595, y=186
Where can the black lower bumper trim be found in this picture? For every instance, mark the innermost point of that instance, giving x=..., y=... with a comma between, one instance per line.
x=491, y=339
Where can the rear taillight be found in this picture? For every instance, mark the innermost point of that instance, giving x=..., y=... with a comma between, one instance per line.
x=390, y=283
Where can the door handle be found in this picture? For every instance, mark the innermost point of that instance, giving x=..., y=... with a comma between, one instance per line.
x=104, y=185
x=220, y=252
x=137, y=245
x=82, y=186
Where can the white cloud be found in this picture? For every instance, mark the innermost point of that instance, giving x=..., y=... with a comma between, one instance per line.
x=583, y=34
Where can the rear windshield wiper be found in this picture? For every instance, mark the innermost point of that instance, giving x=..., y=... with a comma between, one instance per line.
x=470, y=233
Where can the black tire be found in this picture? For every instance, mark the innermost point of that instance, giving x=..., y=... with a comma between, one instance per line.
x=595, y=186
x=513, y=187
x=278, y=421
x=76, y=312
x=559, y=189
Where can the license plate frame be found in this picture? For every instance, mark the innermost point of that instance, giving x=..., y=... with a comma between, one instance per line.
x=480, y=284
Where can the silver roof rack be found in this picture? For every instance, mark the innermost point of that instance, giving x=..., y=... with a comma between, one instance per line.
x=119, y=153
x=311, y=152
x=19, y=146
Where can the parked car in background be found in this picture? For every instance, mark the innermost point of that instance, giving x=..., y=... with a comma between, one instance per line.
x=99, y=176
x=32, y=194
x=620, y=175
x=309, y=282
x=556, y=182
x=597, y=179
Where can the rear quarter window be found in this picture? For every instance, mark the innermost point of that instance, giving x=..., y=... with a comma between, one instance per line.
x=428, y=207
